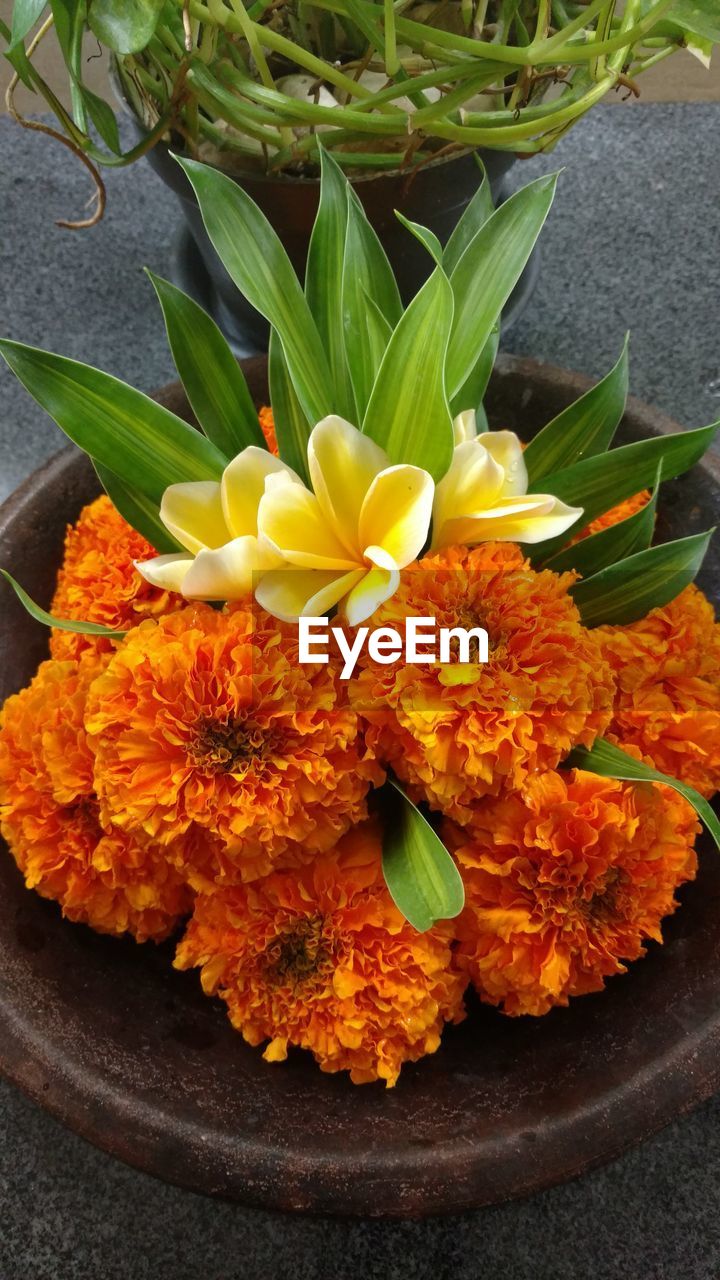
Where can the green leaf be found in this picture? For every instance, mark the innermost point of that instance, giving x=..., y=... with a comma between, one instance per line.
x=25, y=13
x=365, y=254
x=584, y=429
x=138, y=510
x=598, y=484
x=590, y=555
x=103, y=117
x=213, y=380
x=488, y=271
x=420, y=874
x=324, y=278
x=426, y=237
x=470, y=395
x=292, y=428
x=367, y=296
x=125, y=26
x=61, y=624
x=700, y=17
x=408, y=414
x=609, y=761
x=474, y=217
x=628, y=590
x=256, y=260
x=145, y=445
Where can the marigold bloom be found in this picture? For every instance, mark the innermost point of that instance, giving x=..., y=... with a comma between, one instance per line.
x=209, y=718
x=267, y=426
x=98, y=581
x=49, y=815
x=456, y=733
x=667, y=705
x=322, y=958
x=628, y=507
x=565, y=882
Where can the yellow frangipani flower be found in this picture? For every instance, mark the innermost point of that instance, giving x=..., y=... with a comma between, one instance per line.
x=483, y=495
x=217, y=525
x=346, y=542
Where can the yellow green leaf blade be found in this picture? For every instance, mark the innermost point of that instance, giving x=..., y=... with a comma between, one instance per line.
x=61, y=624
x=609, y=761
x=420, y=874
x=626, y=591
x=137, y=439
x=608, y=546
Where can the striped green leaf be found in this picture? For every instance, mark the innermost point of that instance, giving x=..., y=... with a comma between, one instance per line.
x=145, y=445
x=420, y=874
x=371, y=305
x=628, y=590
x=408, y=414
x=598, y=484
x=584, y=429
x=596, y=552
x=426, y=237
x=257, y=262
x=324, y=278
x=488, y=271
x=609, y=761
x=60, y=624
x=213, y=380
x=138, y=510
x=292, y=428
x=473, y=218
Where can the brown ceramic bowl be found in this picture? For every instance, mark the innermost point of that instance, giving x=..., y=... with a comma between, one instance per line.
x=128, y=1053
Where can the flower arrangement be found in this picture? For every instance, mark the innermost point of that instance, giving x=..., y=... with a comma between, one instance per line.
x=344, y=850
x=256, y=87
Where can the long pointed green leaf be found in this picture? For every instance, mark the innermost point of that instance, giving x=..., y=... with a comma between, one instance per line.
x=367, y=256
x=582, y=430
x=213, y=380
x=408, y=414
x=599, y=550
x=422, y=878
x=369, y=293
x=426, y=237
x=138, y=510
x=292, y=428
x=474, y=217
x=324, y=278
x=470, y=395
x=60, y=624
x=144, y=444
x=488, y=271
x=609, y=761
x=257, y=262
x=598, y=484
x=628, y=590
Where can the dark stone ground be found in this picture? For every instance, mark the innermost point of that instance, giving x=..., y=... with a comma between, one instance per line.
x=631, y=243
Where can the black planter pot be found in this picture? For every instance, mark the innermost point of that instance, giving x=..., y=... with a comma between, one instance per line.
x=435, y=197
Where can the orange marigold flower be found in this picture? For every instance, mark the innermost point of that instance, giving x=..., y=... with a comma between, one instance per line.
x=99, y=583
x=667, y=704
x=267, y=426
x=49, y=815
x=323, y=959
x=457, y=732
x=564, y=882
x=210, y=718
x=628, y=507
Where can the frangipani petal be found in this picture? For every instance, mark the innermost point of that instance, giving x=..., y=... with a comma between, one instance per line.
x=396, y=513
x=229, y=572
x=506, y=449
x=291, y=518
x=533, y=519
x=374, y=588
x=473, y=482
x=193, y=514
x=290, y=594
x=343, y=464
x=243, y=485
x=465, y=426
x=167, y=572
